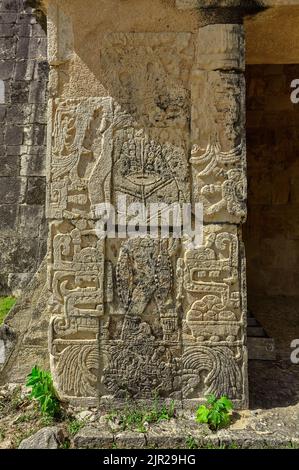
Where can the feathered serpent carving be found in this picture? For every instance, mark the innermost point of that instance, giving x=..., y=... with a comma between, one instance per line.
x=76, y=370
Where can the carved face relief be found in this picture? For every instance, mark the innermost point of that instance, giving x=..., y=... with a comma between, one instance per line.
x=148, y=171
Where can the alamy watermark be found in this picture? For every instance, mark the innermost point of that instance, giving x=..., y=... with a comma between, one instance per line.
x=156, y=220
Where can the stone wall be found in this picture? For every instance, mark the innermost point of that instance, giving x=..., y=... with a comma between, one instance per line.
x=272, y=230
x=23, y=72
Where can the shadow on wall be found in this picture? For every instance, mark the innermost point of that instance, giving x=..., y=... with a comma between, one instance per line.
x=23, y=75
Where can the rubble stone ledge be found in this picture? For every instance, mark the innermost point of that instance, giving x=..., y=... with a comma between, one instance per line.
x=257, y=429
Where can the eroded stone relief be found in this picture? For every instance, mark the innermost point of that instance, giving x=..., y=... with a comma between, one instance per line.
x=76, y=276
x=218, y=155
x=141, y=317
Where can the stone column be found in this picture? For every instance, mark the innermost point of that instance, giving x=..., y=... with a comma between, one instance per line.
x=144, y=316
x=215, y=354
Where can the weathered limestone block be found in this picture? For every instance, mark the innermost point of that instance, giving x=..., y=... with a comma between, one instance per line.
x=146, y=316
x=130, y=440
x=218, y=124
x=23, y=75
x=76, y=269
x=141, y=336
x=79, y=131
x=122, y=309
x=91, y=437
x=147, y=114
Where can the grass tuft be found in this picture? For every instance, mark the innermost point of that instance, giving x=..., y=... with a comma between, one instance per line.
x=6, y=303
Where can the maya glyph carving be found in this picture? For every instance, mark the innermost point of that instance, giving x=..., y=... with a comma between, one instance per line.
x=213, y=327
x=218, y=155
x=221, y=183
x=142, y=336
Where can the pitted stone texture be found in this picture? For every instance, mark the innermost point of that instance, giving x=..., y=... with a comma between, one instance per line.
x=111, y=301
x=23, y=68
x=130, y=440
x=215, y=319
x=218, y=155
x=190, y=4
x=256, y=429
x=46, y=438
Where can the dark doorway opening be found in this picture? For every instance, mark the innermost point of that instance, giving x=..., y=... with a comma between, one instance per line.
x=271, y=234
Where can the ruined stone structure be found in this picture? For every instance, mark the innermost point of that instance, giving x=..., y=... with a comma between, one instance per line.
x=147, y=101
x=23, y=81
x=141, y=317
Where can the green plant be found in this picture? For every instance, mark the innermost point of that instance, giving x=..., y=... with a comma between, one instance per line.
x=42, y=390
x=217, y=412
x=211, y=446
x=221, y=446
x=6, y=303
x=233, y=445
x=292, y=445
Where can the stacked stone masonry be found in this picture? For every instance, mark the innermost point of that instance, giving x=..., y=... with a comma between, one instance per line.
x=144, y=317
x=23, y=76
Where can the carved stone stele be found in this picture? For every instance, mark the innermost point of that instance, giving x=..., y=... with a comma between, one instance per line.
x=158, y=118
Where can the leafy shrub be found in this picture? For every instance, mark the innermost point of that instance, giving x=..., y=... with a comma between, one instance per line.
x=43, y=391
x=217, y=412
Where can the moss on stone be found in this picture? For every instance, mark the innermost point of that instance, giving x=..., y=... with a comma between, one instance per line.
x=6, y=303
